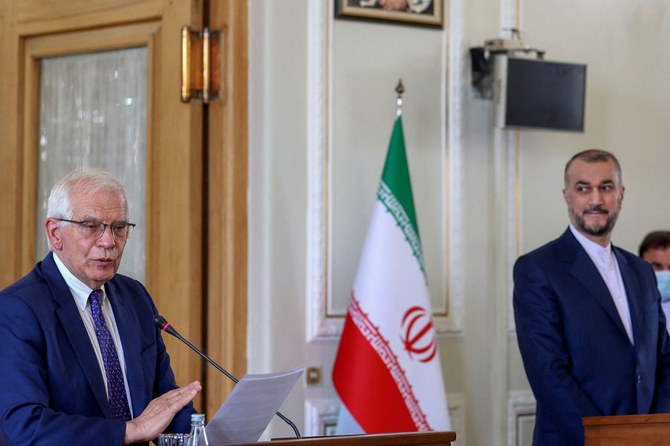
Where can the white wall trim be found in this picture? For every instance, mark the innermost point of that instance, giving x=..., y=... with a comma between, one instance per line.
x=456, y=403
x=455, y=85
x=458, y=90
x=318, y=325
x=320, y=412
x=520, y=403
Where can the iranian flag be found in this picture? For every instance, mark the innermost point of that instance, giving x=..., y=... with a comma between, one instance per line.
x=387, y=371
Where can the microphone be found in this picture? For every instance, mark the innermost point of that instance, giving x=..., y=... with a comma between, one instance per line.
x=164, y=325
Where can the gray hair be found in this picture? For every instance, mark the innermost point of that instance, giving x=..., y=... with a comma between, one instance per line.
x=87, y=181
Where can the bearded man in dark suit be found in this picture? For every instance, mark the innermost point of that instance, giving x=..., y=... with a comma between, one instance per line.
x=588, y=318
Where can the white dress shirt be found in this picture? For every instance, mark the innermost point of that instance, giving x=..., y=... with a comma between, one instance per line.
x=80, y=292
x=607, y=265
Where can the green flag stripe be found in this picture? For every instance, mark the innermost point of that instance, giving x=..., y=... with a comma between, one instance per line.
x=395, y=191
x=395, y=208
x=396, y=172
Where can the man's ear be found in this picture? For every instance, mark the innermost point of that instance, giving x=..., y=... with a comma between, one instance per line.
x=54, y=233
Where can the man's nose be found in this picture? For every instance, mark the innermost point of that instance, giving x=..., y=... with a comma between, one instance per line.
x=107, y=237
x=596, y=196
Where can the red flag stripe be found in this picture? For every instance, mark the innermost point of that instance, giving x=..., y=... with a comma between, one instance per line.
x=370, y=381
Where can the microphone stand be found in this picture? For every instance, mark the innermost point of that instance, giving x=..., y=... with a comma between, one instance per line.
x=164, y=325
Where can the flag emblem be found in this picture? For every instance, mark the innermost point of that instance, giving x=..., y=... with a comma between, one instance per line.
x=419, y=339
x=387, y=371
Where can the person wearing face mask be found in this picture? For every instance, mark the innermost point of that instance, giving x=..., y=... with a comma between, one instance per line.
x=655, y=249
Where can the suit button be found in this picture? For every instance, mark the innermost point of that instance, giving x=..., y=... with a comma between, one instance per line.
x=638, y=379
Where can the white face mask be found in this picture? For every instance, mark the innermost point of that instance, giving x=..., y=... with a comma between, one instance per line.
x=663, y=279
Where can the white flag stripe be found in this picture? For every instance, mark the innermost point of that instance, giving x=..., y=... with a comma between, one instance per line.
x=388, y=371
x=385, y=293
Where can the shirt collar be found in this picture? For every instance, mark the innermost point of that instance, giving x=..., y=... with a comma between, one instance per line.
x=600, y=253
x=80, y=291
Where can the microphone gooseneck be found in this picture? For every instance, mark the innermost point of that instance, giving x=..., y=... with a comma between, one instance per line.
x=165, y=326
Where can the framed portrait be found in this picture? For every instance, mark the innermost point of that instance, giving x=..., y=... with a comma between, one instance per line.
x=413, y=12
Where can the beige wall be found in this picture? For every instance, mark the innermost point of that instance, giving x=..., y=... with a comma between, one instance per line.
x=320, y=119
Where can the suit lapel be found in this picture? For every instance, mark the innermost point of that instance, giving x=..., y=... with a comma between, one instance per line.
x=127, y=323
x=72, y=325
x=585, y=271
x=632, y=286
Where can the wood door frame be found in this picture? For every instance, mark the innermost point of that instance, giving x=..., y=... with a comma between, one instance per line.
x=227, y=167
x=174, y=220
x=39, y=47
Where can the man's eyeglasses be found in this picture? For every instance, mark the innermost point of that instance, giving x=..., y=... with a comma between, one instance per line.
x=90, y=228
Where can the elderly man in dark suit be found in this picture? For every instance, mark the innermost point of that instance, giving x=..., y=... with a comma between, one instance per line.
x=81, y=362
x=588, y=317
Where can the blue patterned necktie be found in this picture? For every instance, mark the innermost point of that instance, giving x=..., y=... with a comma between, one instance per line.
x=116, y=389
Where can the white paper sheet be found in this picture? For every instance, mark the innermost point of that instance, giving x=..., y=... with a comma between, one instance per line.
x=248, y=410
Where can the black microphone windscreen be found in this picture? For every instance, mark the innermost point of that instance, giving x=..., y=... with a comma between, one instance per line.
x=164, y=325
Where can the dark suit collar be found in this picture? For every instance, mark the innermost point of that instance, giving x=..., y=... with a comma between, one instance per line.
x=127, y=322
x=70, y=320
x=633, y=290
x=585, y=271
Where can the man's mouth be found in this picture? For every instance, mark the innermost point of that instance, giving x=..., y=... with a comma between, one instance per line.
x=596, y=212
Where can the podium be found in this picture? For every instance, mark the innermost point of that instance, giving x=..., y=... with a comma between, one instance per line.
x=396, y=439
x=620, y=430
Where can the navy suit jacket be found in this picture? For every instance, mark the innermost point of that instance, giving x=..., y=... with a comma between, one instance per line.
x=52, y=390
x=576, y=353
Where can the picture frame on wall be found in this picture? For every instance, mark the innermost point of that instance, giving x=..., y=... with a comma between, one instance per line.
x=410, y=12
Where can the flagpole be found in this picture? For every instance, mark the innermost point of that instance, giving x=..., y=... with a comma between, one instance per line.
x=400, y=89
x=387, y=371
